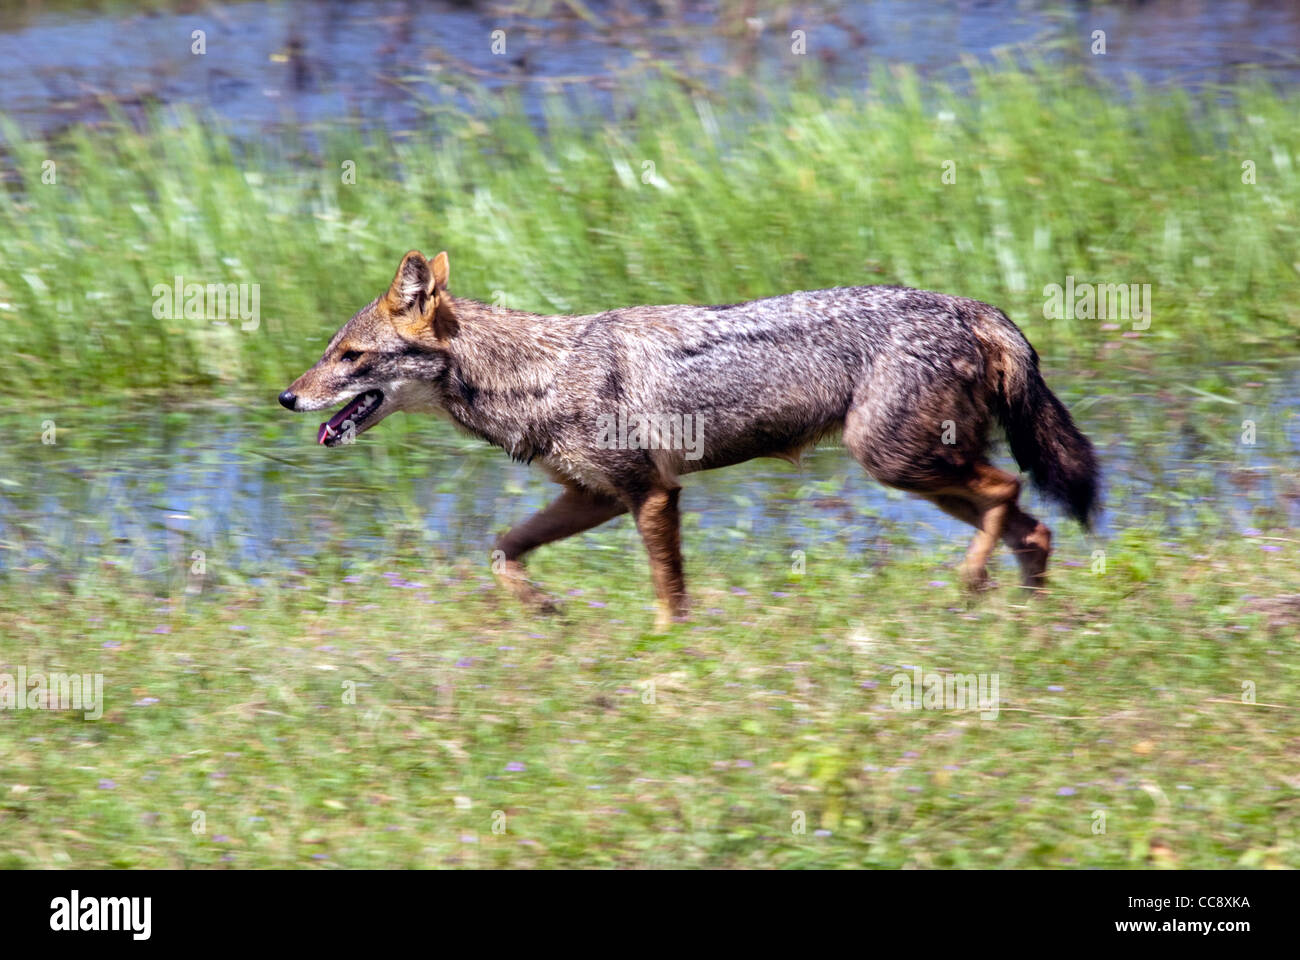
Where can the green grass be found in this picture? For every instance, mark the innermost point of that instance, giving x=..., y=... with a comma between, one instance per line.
x=1121, y=695
x=1054, y=177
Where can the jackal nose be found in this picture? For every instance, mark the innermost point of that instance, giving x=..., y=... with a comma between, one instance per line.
x=288, y=400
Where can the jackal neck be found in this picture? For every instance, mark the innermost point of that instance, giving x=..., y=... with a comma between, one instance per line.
x=501, y=372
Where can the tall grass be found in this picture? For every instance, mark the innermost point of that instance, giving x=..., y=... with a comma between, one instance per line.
x=687, y=201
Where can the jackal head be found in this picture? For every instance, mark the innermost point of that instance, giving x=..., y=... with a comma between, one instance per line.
x=389, y=357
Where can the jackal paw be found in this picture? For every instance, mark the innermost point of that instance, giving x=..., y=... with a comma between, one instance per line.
x=539, y=601
x=1033, y=556
x=545, y=604
x=976, y=580
x=513, y=577
x=666, y=617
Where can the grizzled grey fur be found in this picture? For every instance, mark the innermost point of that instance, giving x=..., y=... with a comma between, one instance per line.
x=913, y=381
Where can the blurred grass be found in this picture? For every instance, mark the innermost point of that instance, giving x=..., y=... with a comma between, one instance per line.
x=590, y=742
x=1054, y=176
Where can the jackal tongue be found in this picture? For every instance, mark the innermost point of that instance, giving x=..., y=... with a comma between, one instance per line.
x=351, y=411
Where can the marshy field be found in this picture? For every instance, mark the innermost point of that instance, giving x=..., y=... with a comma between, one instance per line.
x=305, y=659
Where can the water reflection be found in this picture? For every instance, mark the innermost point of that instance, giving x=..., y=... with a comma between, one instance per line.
x=248, y=487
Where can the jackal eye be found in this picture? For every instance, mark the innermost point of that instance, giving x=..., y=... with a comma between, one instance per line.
x=350, y=356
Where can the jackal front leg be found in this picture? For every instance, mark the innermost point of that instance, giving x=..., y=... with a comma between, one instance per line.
x=573, y=512
x=659, y=522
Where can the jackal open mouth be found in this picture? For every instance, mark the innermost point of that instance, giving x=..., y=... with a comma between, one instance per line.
x=357, y=411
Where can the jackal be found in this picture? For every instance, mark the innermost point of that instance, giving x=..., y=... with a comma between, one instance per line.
x=911, y=380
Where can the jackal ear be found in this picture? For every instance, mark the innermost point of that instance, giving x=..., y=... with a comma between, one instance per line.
x=441, y=268
x=444, y=322
x=412, y=284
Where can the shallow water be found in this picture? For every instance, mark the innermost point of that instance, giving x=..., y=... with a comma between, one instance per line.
x=247, y=486
x=389, y=63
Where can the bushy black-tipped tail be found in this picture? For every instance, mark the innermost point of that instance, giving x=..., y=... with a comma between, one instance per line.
x=1045, y=441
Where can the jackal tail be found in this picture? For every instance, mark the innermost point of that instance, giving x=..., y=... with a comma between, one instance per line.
x=1043, y=437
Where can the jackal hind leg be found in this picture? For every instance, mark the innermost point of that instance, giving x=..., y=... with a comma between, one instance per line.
x=984, y=499
x=929, y=440
x=1031, y=542
x=573, y=511
x=987, y=501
